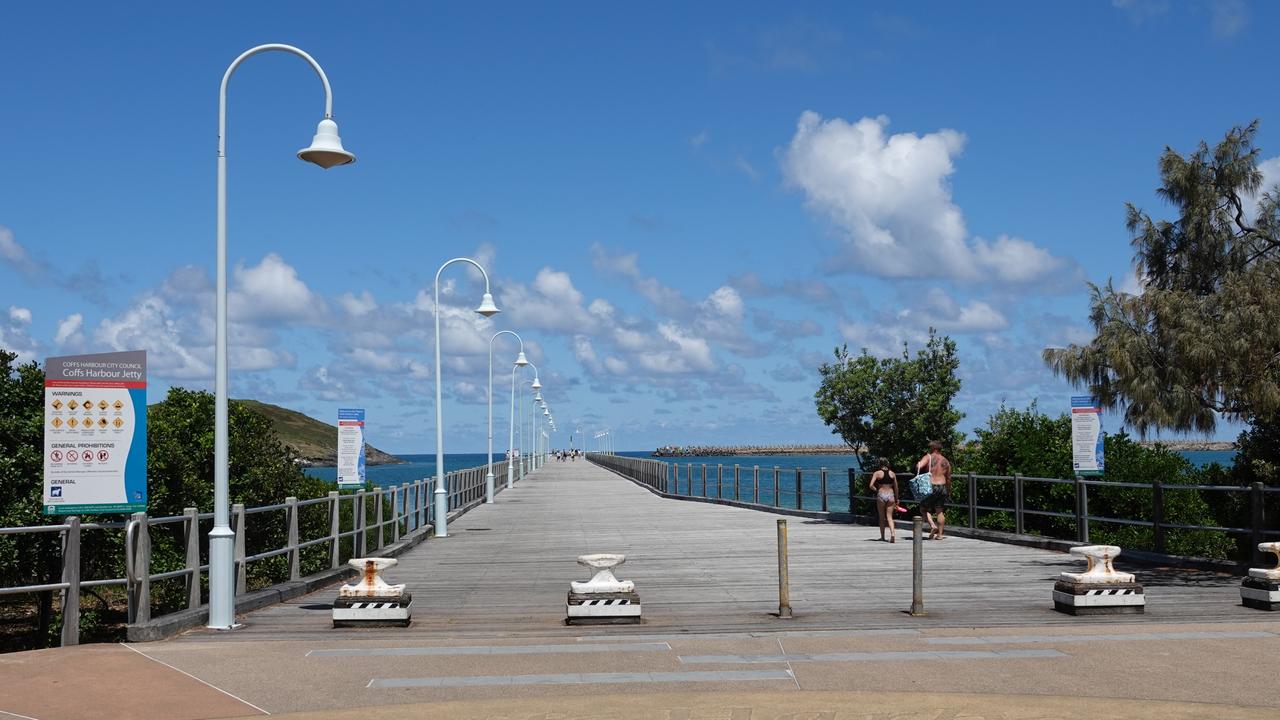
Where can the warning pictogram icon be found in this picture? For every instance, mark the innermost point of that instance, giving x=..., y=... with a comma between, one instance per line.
x=72, y=422
x=102, y=423
x=103, y=455
x=118, y=423
x=56, y=456
x=102, y=404
x=72, y=456
x=118, y=405
x=71, y=405
x=56, y=422
x=57, y=404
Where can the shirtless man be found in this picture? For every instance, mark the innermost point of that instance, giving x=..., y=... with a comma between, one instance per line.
x=939, y=469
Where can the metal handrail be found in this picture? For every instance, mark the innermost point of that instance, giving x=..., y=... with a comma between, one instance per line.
x=409, y=505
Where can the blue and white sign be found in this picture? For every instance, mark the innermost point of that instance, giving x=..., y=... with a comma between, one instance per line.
x=351, y=447
x=1086, y=435
x=95, y=433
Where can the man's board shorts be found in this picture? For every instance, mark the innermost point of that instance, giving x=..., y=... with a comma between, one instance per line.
x=936, y=501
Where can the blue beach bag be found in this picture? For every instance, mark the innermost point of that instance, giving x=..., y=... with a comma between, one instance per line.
x=921, y=486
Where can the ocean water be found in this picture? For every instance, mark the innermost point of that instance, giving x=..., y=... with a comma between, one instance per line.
x=413, y=469
x=1225, y=458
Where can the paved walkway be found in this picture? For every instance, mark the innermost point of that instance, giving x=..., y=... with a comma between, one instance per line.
x=488, y=636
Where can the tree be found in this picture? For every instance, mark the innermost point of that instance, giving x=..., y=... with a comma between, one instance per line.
x=892, y=407
x=1026, y=442
x=1200, y=341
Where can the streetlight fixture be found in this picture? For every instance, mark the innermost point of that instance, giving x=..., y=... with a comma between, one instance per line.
x=523, y=455
x=520, y=361
x=487, y=309
x=326, y=151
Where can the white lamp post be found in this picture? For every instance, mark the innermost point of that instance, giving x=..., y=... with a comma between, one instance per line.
x=520, y=360
x=511, y=441
x=487, y=309
x=326, y=151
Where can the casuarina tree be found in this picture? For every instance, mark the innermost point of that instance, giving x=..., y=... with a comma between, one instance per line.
x=1200, y=340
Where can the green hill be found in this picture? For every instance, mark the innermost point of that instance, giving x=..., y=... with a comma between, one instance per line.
x=314, y=441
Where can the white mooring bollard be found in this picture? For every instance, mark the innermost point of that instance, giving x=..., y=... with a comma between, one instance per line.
x=604, y=599
x=1261, y=589
x=372, y=602
x=1100, y=589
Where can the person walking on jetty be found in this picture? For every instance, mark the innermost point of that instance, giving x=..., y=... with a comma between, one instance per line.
x=938, y=468
x=885, y=485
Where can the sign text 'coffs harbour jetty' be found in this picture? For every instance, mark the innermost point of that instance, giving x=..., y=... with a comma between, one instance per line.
x=719, y=450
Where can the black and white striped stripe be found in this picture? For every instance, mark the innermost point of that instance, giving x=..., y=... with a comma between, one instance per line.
x=615, y=601
x=1117, y=591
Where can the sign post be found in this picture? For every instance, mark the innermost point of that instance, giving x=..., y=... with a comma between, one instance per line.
x=95, y=433
x=1086, y=435
x=351, y=447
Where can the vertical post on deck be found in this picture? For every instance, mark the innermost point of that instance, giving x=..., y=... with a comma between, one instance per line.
x=1082, y=510
x=973, y=500
x=291, y=517
x=784, y=575
x=737, y=480
x=799, y=490
x=917, y=566
x=1157, y=515
x=335, y=527
x=71, y=576
x=238, y=552
x=377, y=518
x=139, y=591
x=1257, y=519
x=1018, y=522
x=755, y=484
x=191, y=527
x=719, y=480
x=777, y=486
x=822, y=487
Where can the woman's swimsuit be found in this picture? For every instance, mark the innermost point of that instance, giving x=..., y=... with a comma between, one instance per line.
x=884, y=488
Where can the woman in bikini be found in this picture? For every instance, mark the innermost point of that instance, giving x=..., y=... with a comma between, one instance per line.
x=885, y=485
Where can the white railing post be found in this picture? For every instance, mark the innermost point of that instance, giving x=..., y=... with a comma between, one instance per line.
x=335, y=526
x=139, y=587
x=377, y=518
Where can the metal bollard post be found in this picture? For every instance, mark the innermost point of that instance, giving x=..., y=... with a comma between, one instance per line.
x=917, y=567
x=784, y=575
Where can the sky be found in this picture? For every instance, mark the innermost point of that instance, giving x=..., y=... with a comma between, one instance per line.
x=682, y=208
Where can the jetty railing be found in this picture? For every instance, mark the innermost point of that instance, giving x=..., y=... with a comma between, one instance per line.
x=1138, y=516
x=378, y=522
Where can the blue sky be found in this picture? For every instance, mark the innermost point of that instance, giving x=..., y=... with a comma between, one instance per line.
x=683, y=208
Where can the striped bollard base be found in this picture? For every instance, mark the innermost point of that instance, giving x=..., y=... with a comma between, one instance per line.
x=602, y=608
x=1260, y=593
x=1075, y=598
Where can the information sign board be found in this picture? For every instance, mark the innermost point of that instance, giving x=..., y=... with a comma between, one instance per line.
x=351, y=447
x=1086, y=435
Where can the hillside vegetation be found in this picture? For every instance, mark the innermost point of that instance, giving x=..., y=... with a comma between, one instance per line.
x=314, y=441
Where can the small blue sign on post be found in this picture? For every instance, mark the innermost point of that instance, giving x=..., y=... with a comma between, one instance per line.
x=351, y=447
x=1087, y=437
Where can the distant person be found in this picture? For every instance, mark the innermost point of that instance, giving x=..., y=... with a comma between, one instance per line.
x=885, y=485
x=939, y=469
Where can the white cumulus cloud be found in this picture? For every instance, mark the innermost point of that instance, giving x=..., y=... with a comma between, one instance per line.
x=890, y=196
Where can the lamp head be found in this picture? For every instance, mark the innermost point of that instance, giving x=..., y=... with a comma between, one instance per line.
x=537, y=396
x=537, y=384
x=521, y=360
x=546, y=412
x=487, y=308
x=326, y=147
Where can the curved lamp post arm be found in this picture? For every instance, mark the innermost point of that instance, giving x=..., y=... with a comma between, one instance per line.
x=222, y=94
